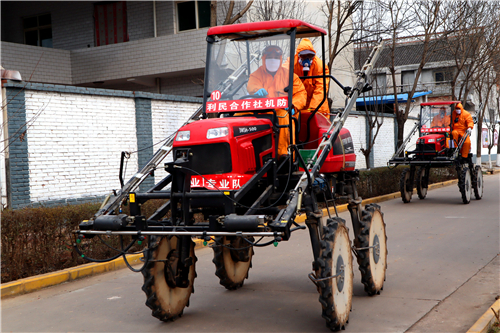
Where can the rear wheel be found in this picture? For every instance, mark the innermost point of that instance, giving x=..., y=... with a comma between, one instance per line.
x=477, y=184
x=405, y=186
x=335, y=259
x=372, y=249
x=465, y=184
x=233, y=260
x=422, y=182
x=163, y=296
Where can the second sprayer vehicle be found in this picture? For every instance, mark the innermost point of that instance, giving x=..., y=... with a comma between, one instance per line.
x=244, y=166
x=444, y=141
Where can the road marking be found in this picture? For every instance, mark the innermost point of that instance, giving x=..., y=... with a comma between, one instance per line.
x=114, y=297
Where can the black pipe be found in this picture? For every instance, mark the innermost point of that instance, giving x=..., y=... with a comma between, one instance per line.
x=121, y=169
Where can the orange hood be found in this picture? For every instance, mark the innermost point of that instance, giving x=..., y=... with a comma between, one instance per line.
x=305, y=44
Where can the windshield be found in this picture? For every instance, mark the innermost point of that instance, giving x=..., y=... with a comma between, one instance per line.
x=435, y=118
x=247, y=74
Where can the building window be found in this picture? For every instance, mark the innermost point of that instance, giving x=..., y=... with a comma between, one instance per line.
x=110, y=23
x=38, y=30
x=193, y=15
x=443, y=76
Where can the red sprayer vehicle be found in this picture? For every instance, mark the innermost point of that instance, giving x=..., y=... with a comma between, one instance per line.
x=435, y=148
x=228, y=184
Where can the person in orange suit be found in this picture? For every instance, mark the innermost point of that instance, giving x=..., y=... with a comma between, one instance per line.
x=306, y=63
x=270, y=80
x=462, y=123
x=441, y=119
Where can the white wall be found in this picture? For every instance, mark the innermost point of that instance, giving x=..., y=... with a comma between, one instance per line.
x=357, y=126
x=75, y=142
x=384, y=143
x=167, y=117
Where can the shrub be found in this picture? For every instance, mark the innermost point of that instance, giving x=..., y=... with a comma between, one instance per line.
x=380, y=181
x=40, y=240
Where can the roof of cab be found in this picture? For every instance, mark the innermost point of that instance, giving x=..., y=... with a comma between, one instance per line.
x=440, y=103
x=248, y=29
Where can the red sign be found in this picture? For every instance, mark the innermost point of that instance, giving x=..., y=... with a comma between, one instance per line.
x=215, y=95
x=219, y=182
x=436, y=129
x=248, y=104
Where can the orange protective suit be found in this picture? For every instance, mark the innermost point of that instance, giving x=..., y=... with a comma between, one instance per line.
x=441, y=121
x=461, y=122
x=314, y=87
x=275, y=86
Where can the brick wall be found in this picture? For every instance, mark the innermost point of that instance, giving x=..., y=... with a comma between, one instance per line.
x=72, y=24
x=37, y=64
x=73, y=138
x=357, y=126
x=384, y=143
x=167, y=118
x=140, y=20
x=187, y=85
x=164, y=18
x=17, y=167
x=158, y=55
x=75, y=143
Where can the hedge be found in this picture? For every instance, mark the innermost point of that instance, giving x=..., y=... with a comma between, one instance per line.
x=40, y=240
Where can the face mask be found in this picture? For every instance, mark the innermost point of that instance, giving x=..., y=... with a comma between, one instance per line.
x=272, y=65
x=306, y=64
x=458, y=111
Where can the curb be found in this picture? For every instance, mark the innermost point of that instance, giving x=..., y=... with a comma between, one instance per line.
x=38, y=282
x=484, y=323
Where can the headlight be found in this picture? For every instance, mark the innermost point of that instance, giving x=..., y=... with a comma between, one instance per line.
x=217, y=132
x=431, y=140
x=183, y=136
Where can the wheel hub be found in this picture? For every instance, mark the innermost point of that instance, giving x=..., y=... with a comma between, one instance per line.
x=376, y=249
x=340, y=273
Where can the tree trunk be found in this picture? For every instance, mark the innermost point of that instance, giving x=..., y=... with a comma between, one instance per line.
x=479, y=138
x=213, y=13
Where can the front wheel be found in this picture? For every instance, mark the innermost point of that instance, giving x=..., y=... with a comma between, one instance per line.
x=232, y=259
x=371, y=250
x=477, y=184
x=405, y=186
x=464, y=184
x=335, y=267
x=164, y=297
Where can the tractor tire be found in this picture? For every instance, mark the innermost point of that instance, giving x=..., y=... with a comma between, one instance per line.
x=335, y=294
x=465, y=184
x=421, y=187
x=166, y=302
x=477, y=183
x=372, y=261
x=405, y=187
x=232, y=266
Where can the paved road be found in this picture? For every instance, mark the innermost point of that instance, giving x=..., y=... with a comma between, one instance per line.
x=443, y=270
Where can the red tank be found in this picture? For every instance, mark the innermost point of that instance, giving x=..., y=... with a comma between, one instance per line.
x=341, y=157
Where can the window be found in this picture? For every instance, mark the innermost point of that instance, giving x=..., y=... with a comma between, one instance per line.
x=110, y=23
x=443, y=76
x=38, y=30
x=193, y=15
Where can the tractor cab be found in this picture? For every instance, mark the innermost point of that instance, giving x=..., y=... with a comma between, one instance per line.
x=249, y=116
x=435, y=127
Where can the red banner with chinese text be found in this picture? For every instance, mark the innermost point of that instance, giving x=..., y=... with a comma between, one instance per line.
x=435, y=129
x=247, y=104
